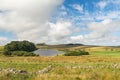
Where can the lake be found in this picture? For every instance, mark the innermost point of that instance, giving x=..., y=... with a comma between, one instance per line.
x=47, y=52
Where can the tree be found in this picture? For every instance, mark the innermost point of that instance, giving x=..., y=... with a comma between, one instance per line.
x=19, y=46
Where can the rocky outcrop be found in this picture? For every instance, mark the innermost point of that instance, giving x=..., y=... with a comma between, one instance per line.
x=45, y=70
x=15, y=71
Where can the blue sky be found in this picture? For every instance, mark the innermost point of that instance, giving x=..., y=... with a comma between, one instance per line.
x=91, y=22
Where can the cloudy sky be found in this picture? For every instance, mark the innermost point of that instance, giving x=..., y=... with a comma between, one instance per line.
x=92, y=22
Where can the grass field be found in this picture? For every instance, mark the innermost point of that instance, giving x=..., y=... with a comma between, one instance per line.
x=103, y=63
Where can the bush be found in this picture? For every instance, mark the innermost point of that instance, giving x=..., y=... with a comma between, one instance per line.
x=22, y=53
x=19, y=46
x=6, y=52
x=75, y=53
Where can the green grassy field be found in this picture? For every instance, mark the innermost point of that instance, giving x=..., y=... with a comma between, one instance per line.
x=101, y=64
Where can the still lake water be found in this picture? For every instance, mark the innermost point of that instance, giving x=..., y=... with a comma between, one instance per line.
x=47, y=52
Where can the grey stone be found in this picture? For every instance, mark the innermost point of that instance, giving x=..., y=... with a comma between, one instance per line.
x=22, y=72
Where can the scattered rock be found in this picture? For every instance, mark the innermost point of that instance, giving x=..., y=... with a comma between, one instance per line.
x=0, y=69
x=22, y=72
x=14, y=71
x=116, y=66
x=45, y=70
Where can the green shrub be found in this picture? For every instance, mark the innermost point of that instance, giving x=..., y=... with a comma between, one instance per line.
x=6, y=52
x=76, y=53
x=19, y=46
x=22, y=53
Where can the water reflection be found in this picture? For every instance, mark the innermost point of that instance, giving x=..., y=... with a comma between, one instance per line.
x=47, y=52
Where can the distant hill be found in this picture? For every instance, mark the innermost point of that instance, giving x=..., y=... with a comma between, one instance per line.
x=71, y=44
x=61, y=45
x=41, y=44
x=75, y=46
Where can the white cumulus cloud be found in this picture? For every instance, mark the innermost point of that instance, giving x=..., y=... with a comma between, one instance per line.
x=100, y=33
x=102, y=4
x=3, y=40
x=27, y=19
x=78, y=7
x=60, y=31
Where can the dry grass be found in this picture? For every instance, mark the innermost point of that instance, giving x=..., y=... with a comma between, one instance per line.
x=70, y=59
x=101, y=64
